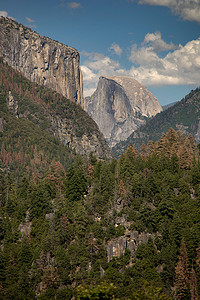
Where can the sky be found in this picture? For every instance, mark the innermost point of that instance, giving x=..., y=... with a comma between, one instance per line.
x=157, y=42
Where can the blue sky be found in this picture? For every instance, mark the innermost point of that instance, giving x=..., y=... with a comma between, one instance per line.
x=155, y=41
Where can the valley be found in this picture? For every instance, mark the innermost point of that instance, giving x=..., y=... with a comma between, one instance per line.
x=99, y=197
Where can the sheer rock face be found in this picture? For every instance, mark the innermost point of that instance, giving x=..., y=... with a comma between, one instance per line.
x=63, y=128
x=41, y=59
x=84, y=144
x=131, y=240
x=119, y=106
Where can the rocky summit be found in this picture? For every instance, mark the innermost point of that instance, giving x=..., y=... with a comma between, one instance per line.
x=41, y=59
x=119, y=106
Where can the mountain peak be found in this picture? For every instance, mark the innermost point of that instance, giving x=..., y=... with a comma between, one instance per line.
x=120, y=105
x=141, y=99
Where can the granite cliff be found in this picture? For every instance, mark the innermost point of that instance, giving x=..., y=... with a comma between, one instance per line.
x=119, y=106
x=51, y=112
x=41, y=59
x=130, y=240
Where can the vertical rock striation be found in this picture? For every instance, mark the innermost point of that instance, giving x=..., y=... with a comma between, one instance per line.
x=131, y=240
x=119, y=106
x=41, y=59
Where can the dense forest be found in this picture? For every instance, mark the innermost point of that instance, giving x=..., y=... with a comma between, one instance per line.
x=83, y=227
x=183, y=115
x=56, y=228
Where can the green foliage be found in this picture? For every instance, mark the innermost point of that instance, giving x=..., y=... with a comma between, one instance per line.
x=102, y=291
x=39, y=201
x=29, y=133
x=59, y=220
x=75, y=183
x=185, y=112
x=149, y=292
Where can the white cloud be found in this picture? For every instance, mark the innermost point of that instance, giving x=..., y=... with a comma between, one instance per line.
x=31, y=23
x=96, y=65
x=151, y=45
x=143, y=55
x=5, y=14
x=188, y=9
x=98, y=62
x=74, y=5
x=155, y=41
x=103, y=64
x=89, y=91
x=116, y=48
x=30, y=20
x=180, y=66
x=88, y=74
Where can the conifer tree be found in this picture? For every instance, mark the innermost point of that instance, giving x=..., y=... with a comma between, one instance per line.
x=163, y=146
x=151, y=147
x=75, y=182
x=198, y=257
x=181, y=273
x=193, y=285
x=143, y=150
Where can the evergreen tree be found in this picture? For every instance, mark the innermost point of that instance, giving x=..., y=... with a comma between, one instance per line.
x=76, y=182
x=193, y=285
x=182, y=273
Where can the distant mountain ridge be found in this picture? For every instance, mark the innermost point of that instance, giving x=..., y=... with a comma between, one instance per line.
x=119, y=106
x=164, y=107
x=183, y=116
x=41, y=59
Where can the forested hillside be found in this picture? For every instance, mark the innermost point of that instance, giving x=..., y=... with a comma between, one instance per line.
x=183, y=115
x=42, y=118
x=117, y=229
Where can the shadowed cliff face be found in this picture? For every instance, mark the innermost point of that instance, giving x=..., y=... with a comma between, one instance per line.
x=49, y=113
x=71, y=131
x=119, y=106
x=41, y=59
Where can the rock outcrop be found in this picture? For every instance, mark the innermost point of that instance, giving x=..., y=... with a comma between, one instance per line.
x=131, y=240
x=48, y=115
x=12, y=104
x=71, y=131
x=119, y=106
x=41, y=59
x=83, y=144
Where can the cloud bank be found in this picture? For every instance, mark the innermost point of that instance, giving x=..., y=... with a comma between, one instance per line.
x=153, y=63
x=188, y=9
x=94, y=66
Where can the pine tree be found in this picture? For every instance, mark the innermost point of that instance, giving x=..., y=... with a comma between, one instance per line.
x=75, y=182
x=151, y=147
x=198, y=257
x=193, y=285
x=163, y=146
x=143, y=150
x=181, y=273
